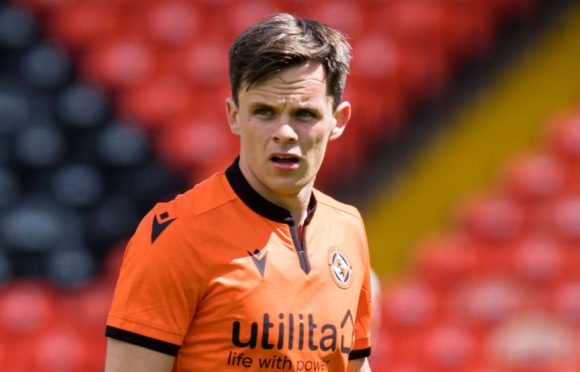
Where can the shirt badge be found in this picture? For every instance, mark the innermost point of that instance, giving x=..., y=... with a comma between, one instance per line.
x=340, y=268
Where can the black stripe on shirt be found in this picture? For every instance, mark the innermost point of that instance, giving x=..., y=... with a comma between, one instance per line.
x=357, y=354
x=140, y=340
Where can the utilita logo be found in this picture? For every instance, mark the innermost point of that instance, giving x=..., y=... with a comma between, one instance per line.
x=295, y=332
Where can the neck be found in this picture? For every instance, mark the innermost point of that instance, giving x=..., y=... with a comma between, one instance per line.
x=294, y=202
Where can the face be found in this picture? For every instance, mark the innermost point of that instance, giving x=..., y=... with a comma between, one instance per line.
x=284, y=124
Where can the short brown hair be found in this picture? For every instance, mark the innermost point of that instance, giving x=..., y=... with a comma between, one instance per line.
x=281, y=41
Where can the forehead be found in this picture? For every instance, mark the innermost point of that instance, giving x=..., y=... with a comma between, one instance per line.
x=302, y=83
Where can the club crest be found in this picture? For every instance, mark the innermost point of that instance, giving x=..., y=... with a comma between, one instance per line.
x=340, y=268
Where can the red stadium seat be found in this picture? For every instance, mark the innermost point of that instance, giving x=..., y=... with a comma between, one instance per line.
x=26, y=307
x=345, y=15
x=539, y=260
x=200, y=144
x=113, y=261
x=469, y=27
x=59, y=349
x=121, y=62
x=535, y=178
x=532, y=341
x=204, y=63
x=566, y=219
x=486, y=302
x=156, y=102
x=16, y=355
x=80, y=24
x=173, y=23
x=377, y=84
x=409, y=305
x=241, y=15
x=566, y=302
x=492, y=219
x=446, y=261
x=449, y=347
x=564, y=136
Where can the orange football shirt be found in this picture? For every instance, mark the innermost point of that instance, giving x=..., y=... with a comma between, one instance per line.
x=222, y=279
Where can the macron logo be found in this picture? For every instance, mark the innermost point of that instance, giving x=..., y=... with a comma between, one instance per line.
x=259, y=259
x=159, y=225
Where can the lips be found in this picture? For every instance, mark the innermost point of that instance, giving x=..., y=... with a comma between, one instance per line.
x=285, y=158
x=285, y=161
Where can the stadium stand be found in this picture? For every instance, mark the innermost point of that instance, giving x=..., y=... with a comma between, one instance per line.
x=101, y=107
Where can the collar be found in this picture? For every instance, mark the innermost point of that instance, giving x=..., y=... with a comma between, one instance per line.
x=257, y=202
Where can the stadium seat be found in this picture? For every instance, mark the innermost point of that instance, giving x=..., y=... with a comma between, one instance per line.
x=60, y=349
x=563, y=136
x=204, y=64
x=9, y=186
x=565, y=302
x=119, y=62
x=485, y=302
x=535, y=178
x=409, y=305
x=469, y=28
x=449, y=347
x=491, y=219
x=87, y=308
x=155, y=102
x=71, y=267
x=15, y=108
x=533, y=341
x=377, y=85
x=334, y=13
x=114, y=218
x=54, y=225
x=46, y=66
x=198, y=144
x=539, y=260
x=78, y=185
x=81, y=24
x=240, y=16
x=83, y=105
x=6, y=270
x=122, y=144
x=18, y=28
x=566, y=219
x=173, y=23
x=445, y=261
x=26, y=307
x=39, y=147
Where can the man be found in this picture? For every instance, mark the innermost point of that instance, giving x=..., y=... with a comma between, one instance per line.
x=253, y=269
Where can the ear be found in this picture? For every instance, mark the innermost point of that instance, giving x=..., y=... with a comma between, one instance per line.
x=232, y=114
x=342, y=116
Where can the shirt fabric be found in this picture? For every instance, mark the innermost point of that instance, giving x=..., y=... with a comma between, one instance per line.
x=224, y=280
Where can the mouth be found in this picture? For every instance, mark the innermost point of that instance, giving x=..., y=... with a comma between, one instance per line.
x=285, y=159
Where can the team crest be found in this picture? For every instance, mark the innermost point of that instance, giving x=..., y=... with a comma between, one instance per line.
x=340, y=268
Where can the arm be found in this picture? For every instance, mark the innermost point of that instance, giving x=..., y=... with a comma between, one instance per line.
x=359, y=365
x=125, y=357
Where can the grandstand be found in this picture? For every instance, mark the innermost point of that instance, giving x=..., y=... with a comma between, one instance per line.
x=463, y=154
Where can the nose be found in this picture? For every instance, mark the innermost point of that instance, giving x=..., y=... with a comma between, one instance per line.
x=284, y=132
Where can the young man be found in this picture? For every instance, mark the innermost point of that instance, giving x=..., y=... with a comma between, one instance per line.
x=253, y=269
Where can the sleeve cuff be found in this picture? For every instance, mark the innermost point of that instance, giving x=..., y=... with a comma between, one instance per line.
x=358, y=354
x=144, y=341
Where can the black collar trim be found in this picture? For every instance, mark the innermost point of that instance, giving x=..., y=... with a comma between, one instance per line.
x=257, y=202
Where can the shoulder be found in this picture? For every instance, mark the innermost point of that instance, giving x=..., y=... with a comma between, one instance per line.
x=330, y=205
x=205, y=196
x=171, y=217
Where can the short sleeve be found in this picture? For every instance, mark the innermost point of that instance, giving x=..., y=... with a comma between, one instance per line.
x=158, y=287
x=362, y=344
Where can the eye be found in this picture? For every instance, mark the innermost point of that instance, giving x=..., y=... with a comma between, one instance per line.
x=264, y=112
x=306, y=114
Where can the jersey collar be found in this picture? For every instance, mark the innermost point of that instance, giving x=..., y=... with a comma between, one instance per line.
x=257, y=202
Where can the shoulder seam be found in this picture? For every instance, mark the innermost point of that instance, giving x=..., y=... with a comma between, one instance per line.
x=348, y=209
